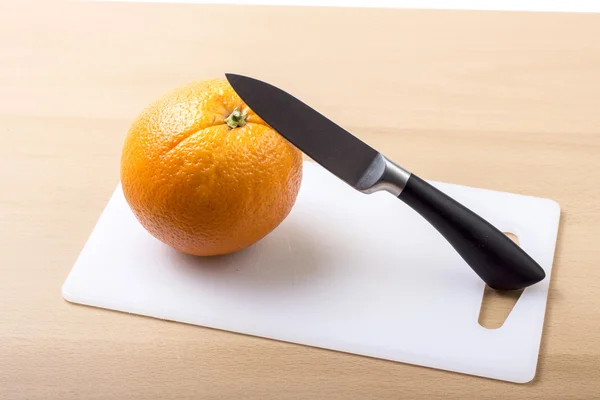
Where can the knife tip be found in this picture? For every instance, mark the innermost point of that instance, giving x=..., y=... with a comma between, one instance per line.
x=230, y=76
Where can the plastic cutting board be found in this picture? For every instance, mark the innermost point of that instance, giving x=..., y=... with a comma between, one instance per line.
x=357, y=273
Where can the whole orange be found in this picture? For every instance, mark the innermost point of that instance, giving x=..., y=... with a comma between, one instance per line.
x=204, y=174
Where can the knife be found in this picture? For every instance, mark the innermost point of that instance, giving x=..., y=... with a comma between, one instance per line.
x=496, y=259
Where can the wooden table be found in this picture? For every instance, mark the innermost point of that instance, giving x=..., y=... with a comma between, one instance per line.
x=501, y=100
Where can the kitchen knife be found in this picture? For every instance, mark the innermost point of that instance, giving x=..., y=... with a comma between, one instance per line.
x=497, y=260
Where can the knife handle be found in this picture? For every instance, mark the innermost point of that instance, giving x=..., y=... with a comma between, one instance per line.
x=501, y=263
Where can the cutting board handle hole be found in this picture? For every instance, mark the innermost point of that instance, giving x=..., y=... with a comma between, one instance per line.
x=497, y=305
x=512, y=237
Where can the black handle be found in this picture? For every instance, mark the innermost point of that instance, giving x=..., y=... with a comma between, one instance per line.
x=501, y=263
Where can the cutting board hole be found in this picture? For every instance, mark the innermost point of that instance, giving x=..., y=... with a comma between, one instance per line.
x=497, y=305
x=512, y=237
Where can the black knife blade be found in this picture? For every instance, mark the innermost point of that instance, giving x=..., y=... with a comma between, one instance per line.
x=333, y=147
x=492, y=255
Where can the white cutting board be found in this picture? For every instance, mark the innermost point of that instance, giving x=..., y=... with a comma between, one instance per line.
x=357, y=273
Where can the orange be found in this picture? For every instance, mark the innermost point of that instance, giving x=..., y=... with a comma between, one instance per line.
x=206, y=175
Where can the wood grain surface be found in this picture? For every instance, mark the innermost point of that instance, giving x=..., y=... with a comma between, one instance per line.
x=500, y=100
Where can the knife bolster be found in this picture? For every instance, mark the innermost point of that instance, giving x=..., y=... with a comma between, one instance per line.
x=383, y=174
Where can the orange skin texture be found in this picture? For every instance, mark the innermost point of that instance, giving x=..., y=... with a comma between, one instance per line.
x=199, y=186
